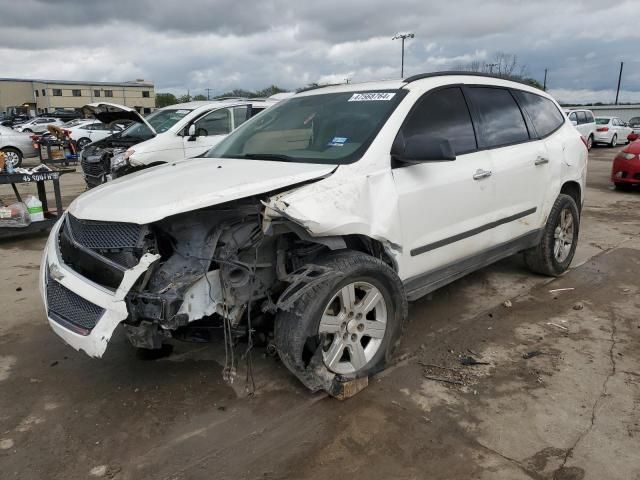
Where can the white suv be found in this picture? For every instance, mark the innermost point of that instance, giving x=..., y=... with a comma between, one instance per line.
x=585, y=123
x=318, y=219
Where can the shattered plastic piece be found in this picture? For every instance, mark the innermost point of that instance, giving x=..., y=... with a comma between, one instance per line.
x=555, y=290
x=556, y=325
x=578, y=306
x=507, y=303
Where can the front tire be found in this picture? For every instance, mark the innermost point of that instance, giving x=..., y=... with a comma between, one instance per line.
x=614, y=141
x=83, y=142
x=345, y=326
x=554, y=253
x=13, y=156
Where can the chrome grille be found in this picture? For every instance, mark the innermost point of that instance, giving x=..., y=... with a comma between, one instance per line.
x=70, y=307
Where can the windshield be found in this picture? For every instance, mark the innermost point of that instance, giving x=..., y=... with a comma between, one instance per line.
x=634, y=121
x=331, y=128
x=160, y=120
x=602, y=121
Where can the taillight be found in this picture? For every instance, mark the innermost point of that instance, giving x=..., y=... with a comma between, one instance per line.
x=603, y=129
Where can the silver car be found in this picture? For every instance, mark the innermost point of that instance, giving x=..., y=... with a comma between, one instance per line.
x=16, y=145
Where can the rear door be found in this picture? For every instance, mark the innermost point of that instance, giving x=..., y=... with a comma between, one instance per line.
x=445, y=206
x=520, y=161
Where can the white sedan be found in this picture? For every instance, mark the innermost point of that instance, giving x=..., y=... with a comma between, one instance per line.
x=16, y=145
x=611, y=130
x=37, y=125
x=91, y=130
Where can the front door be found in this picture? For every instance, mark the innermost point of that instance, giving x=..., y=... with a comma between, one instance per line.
x=445, y=206
x=210, y=129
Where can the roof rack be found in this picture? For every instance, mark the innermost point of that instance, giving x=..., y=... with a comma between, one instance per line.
x=420, y=76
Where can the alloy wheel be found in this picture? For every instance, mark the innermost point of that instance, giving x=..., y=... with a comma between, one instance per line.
x=563, y=236
x=354, y=322
x=12, y=158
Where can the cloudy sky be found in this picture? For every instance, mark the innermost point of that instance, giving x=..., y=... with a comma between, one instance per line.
x=226, y=44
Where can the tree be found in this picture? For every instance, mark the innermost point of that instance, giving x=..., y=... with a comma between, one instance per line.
x=502, y=65
x=165, y=99
x=185, y=98
x=199, y=97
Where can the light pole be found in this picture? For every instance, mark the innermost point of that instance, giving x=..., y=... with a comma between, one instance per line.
x=403, y=37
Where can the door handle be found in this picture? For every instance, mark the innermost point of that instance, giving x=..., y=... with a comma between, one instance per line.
x=541, y=161
x=480, y=174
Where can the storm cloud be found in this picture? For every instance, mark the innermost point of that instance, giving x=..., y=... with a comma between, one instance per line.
x=223, y=44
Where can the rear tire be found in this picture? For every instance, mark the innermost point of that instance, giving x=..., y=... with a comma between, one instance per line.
x=614, y=141
x=554, y=253
x=590, y=142
x=13, y=155
x=347, y=325
x=27, y=130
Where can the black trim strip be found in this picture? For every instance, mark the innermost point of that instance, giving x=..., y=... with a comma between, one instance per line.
x=470, y=233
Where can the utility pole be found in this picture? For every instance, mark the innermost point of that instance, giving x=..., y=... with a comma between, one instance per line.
x=544, y=84
x=619, y=80
x=403, y=37
x=208, y=90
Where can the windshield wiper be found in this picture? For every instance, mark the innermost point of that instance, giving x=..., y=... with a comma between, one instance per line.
x=269, y=156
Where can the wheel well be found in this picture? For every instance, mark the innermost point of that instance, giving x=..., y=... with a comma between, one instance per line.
x=8, y=147
x=573, y=190
x=371, y=247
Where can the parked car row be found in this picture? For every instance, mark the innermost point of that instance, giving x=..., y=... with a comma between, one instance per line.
x=316, y=220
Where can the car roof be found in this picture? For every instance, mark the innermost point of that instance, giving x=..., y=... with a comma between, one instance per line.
x=198, y=104
x=432, y=80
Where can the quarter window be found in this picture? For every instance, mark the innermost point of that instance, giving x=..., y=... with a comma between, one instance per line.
x=543, y=112
x=501, y=121
x=239, y=116
x=443, y=114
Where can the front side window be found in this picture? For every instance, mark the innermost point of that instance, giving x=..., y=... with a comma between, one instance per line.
x=217, y=122
x=329, y=128
x=501, y=122
x=573, y=117
x=443, y=115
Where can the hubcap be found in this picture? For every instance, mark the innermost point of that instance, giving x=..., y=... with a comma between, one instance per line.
x=355, y=322
x=12, y=158
x=614, y=141
x=563, y=236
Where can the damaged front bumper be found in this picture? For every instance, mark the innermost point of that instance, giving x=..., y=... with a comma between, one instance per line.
x=83, y=313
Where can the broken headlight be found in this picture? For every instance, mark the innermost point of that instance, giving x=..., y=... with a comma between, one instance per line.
x=120, y=159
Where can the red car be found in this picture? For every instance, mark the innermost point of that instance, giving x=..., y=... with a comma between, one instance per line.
x=626, y=166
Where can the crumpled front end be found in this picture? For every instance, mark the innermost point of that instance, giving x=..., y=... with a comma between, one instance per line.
x=84, y=310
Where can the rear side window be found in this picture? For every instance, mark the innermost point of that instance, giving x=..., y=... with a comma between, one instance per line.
x=501, y=121
x=582, y=118
x=443, y=114
x=543, y=113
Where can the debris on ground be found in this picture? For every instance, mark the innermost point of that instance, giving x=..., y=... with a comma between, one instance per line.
x=556, y=325
x=556, y=290
x=469, y=361
x=578, y=306
x=507, y=303
x=532, y=354
x=445, y=380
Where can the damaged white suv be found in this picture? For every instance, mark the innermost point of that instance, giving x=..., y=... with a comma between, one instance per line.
x=314, y=222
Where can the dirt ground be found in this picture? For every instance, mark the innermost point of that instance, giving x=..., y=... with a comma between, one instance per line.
x=559, y=397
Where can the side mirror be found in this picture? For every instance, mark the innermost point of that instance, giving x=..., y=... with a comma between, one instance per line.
x=422, y=148
x=192, y=130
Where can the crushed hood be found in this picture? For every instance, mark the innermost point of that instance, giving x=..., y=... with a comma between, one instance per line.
x=159, y=192
x=111, y=112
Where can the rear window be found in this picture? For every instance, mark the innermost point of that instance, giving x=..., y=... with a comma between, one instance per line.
x=501, y=122
x=543, y=112
x=602, y=121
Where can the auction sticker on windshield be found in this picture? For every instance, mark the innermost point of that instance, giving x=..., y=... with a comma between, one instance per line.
x=372, y=97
